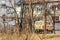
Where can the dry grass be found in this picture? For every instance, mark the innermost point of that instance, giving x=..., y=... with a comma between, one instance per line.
x=25, y=35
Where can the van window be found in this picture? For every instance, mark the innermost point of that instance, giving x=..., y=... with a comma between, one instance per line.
x=48, y=23
x=38, y=23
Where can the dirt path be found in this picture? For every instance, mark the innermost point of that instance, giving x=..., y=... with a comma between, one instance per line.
x=55, y=38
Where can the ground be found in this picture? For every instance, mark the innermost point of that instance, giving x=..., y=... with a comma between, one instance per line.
x=30, y=36
x=55, y=38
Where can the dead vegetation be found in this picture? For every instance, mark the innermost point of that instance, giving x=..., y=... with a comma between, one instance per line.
x=25, y=35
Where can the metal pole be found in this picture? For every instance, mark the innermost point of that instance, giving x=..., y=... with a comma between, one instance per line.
x=44, y=19
x=54, y=21
x=31, y=16
x=21, y=15
x=44, y=7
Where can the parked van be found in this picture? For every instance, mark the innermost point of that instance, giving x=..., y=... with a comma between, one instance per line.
x=40, y=25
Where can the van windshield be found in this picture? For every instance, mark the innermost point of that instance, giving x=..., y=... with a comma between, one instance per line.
x=38, y=22
x=48, y=23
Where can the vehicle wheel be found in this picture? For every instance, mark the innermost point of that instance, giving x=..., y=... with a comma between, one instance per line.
x=52, y=31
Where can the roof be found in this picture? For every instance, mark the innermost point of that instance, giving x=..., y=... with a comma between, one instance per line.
x=39, y=1
x=34, y=1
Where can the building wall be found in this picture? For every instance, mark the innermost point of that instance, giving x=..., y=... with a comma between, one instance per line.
x=3, y=9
